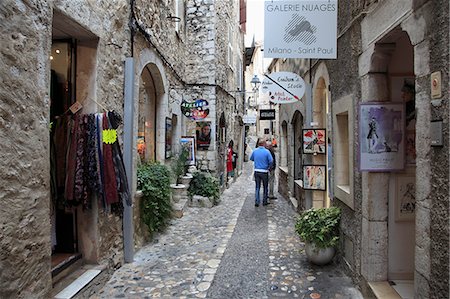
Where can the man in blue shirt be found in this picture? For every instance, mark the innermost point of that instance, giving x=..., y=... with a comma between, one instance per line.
x=262, y=163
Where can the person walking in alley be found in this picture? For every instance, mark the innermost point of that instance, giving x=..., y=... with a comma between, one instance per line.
x=269, y=146
x=231, y=160
x=262, y=163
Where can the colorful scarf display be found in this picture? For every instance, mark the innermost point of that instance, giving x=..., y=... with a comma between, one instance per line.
x=93, y=166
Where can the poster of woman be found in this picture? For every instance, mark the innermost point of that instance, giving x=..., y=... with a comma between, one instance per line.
x=381, y=136
x=203, y=132
x=314, y=177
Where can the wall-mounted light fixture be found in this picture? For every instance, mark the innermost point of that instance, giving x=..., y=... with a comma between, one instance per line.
x=255, y=82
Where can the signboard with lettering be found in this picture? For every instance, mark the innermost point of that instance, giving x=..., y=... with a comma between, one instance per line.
x=267, y=114
x=249, y=119
x=195, y=110
x=300, y=29
x=283, y=87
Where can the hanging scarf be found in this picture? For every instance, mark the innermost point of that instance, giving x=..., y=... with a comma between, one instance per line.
x=121, y=176
x=109, y=171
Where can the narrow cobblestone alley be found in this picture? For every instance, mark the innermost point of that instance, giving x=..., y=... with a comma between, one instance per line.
x=233, y=250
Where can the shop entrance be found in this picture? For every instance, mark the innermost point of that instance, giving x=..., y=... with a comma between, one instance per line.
x=393, y=65
x=63, y=218
x=73, y=220
x=297, y=126
x=401, y=225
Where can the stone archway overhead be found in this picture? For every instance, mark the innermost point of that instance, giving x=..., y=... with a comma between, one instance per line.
x=150, y=60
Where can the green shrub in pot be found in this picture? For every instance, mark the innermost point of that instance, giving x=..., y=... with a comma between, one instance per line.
x=319, y=226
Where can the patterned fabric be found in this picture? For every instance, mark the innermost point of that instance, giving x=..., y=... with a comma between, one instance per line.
x=121, y=177
x=90, y=167
x=109, y=171
x=71, y=159
x=80, y=186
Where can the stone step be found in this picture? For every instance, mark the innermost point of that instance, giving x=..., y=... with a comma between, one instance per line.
x=77, y=282
x=179, y=207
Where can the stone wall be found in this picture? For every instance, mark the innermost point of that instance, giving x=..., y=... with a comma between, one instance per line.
x=25, y=187
x=201, y=33
x=26, y=32
x=344, y=80
x=436, y=14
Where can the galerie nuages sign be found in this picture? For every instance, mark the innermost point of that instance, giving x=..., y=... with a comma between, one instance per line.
x=300, y=29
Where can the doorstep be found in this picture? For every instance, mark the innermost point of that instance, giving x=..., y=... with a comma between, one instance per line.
x=383, y=290
x=74, y=283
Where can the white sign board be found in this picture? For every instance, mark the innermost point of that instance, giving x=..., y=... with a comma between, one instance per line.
x=249, y=119
x=300, y=29
x=283, y=87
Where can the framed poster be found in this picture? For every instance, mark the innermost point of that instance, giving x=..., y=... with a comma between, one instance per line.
x=203, y=133
x=314, y=177
x=314, y=141
x=381, y=136
x=405, y=198
x=188, y=142
x=168, y=138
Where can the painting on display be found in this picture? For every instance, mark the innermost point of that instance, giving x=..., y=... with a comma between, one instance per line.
x=314, y=177
x=405, y=198
x=168, y=138
x=188, y=142
x=203, y=134
x=314, y=141
x=381, y=136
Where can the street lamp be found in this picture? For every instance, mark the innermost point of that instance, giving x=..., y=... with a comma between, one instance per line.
x=255, y=82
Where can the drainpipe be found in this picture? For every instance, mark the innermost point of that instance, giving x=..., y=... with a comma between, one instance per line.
x=128, y=227
x=309, y=108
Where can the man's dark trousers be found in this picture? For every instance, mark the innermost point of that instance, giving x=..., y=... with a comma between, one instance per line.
x=264, y=177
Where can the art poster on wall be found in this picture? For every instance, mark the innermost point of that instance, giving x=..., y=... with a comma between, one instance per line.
x=168, y=138
x=188, y=143
x=196, y=110
x=203, y=134
x=314, y=141
x=381, y=136
x=314, y=177
x=405, y=198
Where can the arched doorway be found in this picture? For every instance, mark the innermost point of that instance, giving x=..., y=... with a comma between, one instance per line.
x=391, y=206
x=297, y=170
x=401, y=225
x=149, y=137
x=320, y=119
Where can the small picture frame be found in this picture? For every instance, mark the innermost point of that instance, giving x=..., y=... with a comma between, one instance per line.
x=188, y=142
x=315, y=177
x=405, y=198
x=168, y=138
x=314, y=141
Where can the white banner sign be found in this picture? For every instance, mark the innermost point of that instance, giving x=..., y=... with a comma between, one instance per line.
x=249, y=119
x=300, y=29
x=283, y=87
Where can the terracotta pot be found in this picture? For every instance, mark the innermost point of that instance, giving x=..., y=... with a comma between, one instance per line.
x=319, y=256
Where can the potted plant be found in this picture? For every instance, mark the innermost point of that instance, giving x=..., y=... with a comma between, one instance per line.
x=204, y=185
x=153, y=180
x=319, y=229
x=179, y=165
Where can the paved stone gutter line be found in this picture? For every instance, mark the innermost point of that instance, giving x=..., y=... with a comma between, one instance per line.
x=243, y=270
x=183, y=260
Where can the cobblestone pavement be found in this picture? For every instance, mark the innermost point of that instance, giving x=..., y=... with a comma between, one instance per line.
x=233, y=250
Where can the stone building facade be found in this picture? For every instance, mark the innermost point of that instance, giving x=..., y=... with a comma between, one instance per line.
x=389, y=52
x=181, y=51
